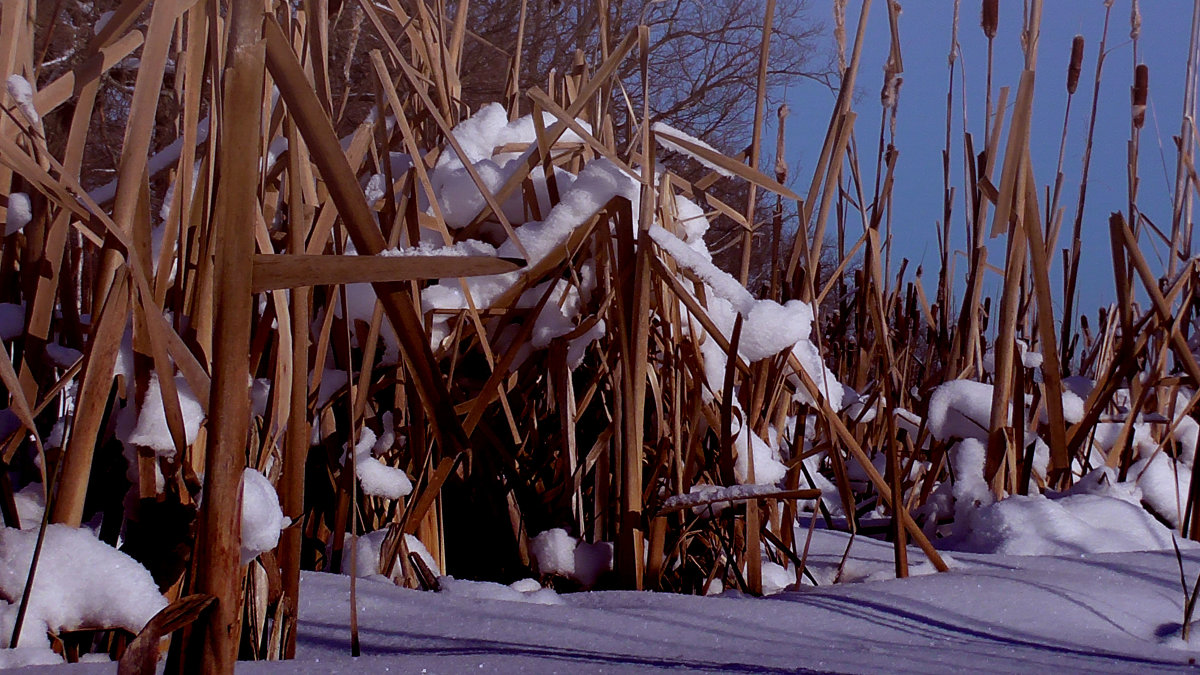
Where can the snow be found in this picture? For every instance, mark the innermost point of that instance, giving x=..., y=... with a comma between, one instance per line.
x=960, y=409
x=152, y=431
x=376, y=478
x=554, y=552
x=592, y=561
x=1027, y=357
x=63, y=357
x=366, y=555
x=1164, y=484
x=22, y=94
x=31, y=504
x=376, y=188
x=102, y=21
x=80, y=582
x=558, y=553
x=711, y=500
x=1037, y=525
x=666, y=134
x=20, y=212
x=1111, y=613
x=468, y=247
x=489, y=591
x=262, y=518
x=694, y=223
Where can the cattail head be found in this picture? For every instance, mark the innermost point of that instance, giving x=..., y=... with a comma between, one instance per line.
x=839, y=31
x=1141, y=87
x=1076, y=65
x=990, y=18
x=781, y=167
x=1135, y=21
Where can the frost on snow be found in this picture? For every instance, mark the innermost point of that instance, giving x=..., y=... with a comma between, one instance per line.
x=81, y=582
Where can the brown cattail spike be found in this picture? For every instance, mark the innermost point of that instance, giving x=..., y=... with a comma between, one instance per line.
x=781, y=167
x=1141, y=86
x=1076, y=65
x=990, y=18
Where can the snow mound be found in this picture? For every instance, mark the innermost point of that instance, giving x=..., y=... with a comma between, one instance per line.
x=262, y=518
x=489, y=590
x=554, y=552
x=558, y=553
x=80, y=582
x=960, y=409
x=1075, y=524
x=366, y=552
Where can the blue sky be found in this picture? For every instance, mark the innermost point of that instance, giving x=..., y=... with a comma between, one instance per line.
x=925, y=28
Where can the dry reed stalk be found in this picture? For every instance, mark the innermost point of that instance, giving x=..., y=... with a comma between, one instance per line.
x=827, y=158
x=944, y=278
x=989, y=21
x=760, y=101
x=214, y=644
x=1072, y=267
x=1010, y=209
x=1074, y=69
x=633, y=316
x=1181, y=238
x=297, y=439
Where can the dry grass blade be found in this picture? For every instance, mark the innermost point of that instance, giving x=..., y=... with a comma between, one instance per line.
x=141, y=656
x=750, y=174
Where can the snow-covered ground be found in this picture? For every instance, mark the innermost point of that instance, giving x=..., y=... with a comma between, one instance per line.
x=1112, y=612
x=1095, y=613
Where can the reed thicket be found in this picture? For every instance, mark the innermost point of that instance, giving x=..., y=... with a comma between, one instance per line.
x=241, y=274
